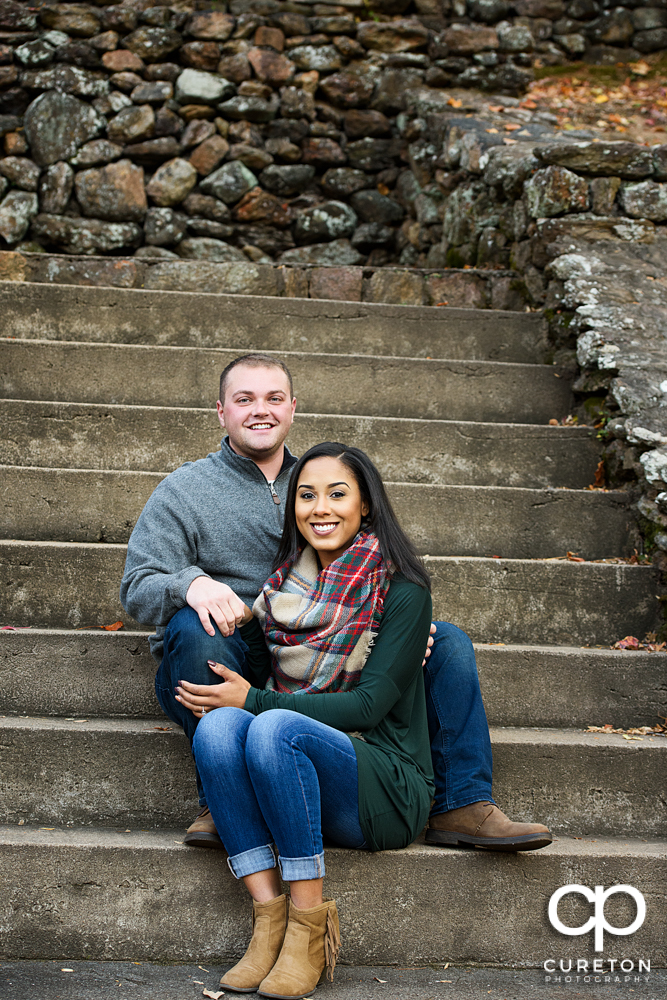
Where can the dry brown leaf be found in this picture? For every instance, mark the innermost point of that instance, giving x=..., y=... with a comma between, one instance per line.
x=212, y=995
x=573, y=557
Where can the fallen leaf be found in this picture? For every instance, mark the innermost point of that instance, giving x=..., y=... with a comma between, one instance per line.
x=202, y=968
x=599, y=480
x=375, y=977
x=166, y=729
x=45, y=829
x=383, y=189
x=67, y=970
x=640, y=68
x=455, y=102
x=531, y=105
x=212, y=995
x=198, y=982
x=630, y=642
x=511, y=127
x=553, y=422
x=573, y=557
x=445, y=966
x=626, y=737
x=509, y=142
x=442, y=303
x=492, y=131
x=498, y=108
x=13, y=628
x=444, y=980
x=600, y=99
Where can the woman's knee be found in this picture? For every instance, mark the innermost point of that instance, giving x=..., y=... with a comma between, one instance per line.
x=221, y=733
x=271, y=731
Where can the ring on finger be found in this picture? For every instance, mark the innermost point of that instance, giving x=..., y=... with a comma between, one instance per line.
x=204, y=711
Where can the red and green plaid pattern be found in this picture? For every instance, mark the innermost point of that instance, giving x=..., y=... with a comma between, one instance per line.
x=319, y=625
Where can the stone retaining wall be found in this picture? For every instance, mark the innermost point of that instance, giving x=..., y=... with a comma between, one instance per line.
x=584, y=225
x=259, y=129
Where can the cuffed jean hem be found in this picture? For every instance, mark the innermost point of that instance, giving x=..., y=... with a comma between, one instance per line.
x=438, y=808
x=297, y=869
x=258, y=859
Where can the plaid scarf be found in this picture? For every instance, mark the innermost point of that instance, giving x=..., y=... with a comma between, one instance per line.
x=320, y=624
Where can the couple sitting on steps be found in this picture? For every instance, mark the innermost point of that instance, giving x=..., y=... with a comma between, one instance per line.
x=344, y=613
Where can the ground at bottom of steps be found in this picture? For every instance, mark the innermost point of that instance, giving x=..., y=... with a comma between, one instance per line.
x=146, y=981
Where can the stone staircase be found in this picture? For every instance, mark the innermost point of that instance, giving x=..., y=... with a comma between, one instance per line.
x=104, y=390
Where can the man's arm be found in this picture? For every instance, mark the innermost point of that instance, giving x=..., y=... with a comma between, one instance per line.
x=161, y=572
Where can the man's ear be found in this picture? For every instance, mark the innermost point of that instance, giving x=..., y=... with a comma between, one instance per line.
x=221, y=413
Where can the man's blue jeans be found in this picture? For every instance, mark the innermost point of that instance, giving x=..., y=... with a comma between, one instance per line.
x=460, y=744
x=251, y=766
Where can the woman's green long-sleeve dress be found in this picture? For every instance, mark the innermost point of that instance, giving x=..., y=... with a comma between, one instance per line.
x=388, y=708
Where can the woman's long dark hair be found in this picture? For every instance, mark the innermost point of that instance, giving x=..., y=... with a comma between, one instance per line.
x=395, y=545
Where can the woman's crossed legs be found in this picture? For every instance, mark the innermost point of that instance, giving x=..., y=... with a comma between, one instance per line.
x=281, y=778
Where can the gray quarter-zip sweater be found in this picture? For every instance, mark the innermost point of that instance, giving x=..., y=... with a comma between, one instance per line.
x=215, y=517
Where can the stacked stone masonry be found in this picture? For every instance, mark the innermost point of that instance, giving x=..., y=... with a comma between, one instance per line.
x=259, y=129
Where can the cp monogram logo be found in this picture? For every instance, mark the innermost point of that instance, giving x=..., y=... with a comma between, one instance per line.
x=598, y=897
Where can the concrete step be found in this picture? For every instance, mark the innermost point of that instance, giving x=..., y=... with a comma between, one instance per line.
x=323, y=383
x=68, y=673
x=504, y=600
x=128, y=772
x=85, y=505
x=103, y=894
x=261, y=323
x=159, y=439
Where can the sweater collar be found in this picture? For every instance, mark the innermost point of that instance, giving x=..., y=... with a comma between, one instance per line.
x=240, y=462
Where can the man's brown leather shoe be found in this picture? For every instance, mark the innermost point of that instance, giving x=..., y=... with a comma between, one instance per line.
x=482, y=824
x=202, y=833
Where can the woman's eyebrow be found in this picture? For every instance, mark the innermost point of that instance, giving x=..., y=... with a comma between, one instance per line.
x=340, y=483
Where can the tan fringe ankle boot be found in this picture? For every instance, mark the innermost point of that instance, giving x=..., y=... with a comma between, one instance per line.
x=269, y=921
x=312, y=943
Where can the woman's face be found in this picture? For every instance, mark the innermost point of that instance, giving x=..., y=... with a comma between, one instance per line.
x=328, y=507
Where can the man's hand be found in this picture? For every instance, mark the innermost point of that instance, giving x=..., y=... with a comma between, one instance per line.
x=211, y=599
x=428, y=645
x=230, y=694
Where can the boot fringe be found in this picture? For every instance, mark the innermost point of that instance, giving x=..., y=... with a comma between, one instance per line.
x=331, y=945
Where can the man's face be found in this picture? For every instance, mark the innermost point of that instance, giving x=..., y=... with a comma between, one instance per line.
x=257, y=411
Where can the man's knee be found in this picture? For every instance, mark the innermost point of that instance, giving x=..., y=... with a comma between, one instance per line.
x=452, y=653
x=185, y=625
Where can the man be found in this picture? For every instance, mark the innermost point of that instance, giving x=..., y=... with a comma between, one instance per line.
x=203, y=547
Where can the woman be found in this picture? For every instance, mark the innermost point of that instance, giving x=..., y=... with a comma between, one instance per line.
x=346, y=617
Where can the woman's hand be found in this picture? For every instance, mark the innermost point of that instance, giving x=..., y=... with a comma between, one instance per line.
x=202, y=698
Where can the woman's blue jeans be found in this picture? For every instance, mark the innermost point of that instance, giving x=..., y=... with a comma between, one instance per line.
x=278, y=778
x=460, y=744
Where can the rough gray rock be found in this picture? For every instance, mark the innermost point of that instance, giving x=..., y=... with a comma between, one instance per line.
x=21, y=171
x=152, y=44
x=209, y=227
x=132, y=124
x=645, y=200
x=55, y=189
x=155, y=92
x=114, y=193
x=197, y=86
x=609, y=159
x=252, y=109
x=36, y=53
x=371, y=206
x=339, y=252
x=332, y=220
x=370, y=154
x=555, y=190
x=172, y=182
x=230, y=182
x=67, y=80
x=164, y=227
x=287, y=180
x=153, y=151
x=96, y=152
x=341, y=182
x=86, y=236
x=372, y=235
x=17, y=210
x=206, y=248
x=57, y=124
x=323, y=58
x=207, y=206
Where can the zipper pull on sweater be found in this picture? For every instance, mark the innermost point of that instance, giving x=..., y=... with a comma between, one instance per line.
x=276, y=498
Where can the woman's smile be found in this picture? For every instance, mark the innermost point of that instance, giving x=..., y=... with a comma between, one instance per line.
x=323, y=529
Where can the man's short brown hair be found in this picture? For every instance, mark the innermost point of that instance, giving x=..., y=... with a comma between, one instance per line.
x=254, y=361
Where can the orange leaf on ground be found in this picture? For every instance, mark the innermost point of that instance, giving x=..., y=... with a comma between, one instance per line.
x=455, y=102
x=107, y=628
x=573, y=557
x=599, y=480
